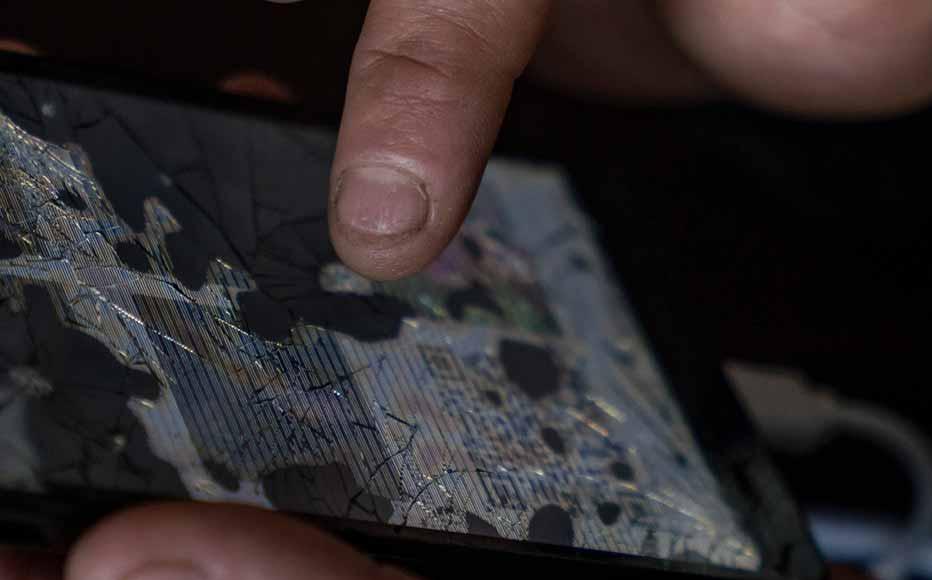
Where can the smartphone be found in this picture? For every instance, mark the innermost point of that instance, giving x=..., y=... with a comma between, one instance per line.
x=174, y=324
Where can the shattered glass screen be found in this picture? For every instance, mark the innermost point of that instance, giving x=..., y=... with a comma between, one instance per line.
x=173, y=321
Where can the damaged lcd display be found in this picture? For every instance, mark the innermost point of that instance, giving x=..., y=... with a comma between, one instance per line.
x=174, y=322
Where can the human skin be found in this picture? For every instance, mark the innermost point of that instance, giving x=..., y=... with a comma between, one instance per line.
x=431, y=79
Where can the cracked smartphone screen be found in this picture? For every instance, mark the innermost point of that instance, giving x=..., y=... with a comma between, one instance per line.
x=174, y=322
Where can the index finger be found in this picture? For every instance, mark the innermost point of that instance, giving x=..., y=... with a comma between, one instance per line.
x=428, y=87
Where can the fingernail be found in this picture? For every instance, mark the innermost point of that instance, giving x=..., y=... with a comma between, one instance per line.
x=381, y=202
x=167, y=571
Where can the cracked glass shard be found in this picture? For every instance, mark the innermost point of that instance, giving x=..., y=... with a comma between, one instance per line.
x=174, y=321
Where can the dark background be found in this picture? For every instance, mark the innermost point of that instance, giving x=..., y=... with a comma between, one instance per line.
x=764, y=238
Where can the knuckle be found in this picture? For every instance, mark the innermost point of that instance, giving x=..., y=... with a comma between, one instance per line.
x=415, y=58
x=447, y=41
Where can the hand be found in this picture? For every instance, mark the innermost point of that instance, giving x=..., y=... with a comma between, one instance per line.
x=200, y=542
x=431, y=79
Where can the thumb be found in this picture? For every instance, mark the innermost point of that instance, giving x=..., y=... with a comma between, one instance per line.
x=214, y=542
x=428, y=87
